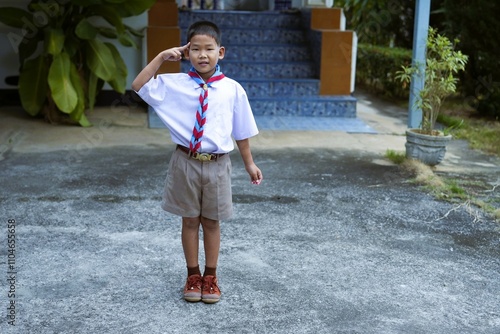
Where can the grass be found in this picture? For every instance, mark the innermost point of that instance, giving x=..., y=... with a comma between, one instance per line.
x=481, y=134
x=463, y=192
x=462, y=123
x=395, y=157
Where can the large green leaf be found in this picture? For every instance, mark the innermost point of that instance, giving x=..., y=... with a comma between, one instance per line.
x=27, y=48
x=33, y=85
x=134, y=32
x=54, y=41
x=15, y=17
x=72, y=45
x=108, y=32
x=109, y=14
x=84, y=121
x=49, y=8
x=62, y=90
x=85, y=3
x=126, y=40
x=92, y=90
x=78, y=113
x=85, y=30
x=119, y=81
x=133, y=7
x=100, y=60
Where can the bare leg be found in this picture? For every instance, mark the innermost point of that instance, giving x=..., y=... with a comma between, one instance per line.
x=211, y=241
x=190, y=240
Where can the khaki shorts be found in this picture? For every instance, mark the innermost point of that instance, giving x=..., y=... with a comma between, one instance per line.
x=194, y=188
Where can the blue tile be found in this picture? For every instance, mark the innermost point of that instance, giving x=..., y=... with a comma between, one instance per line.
x=303, y=123
x=271, y=121
x=266, y=53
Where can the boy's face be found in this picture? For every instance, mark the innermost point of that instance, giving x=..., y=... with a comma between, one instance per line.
x=204, y=53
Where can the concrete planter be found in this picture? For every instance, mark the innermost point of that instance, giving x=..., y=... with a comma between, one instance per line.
x=428, y=149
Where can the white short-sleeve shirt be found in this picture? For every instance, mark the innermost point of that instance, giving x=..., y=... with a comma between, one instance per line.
x=175, y=98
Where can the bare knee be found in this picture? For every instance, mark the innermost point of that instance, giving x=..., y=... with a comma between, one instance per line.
x=191, y=222
x=209, y=224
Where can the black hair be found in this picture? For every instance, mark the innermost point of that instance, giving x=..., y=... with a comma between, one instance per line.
x=204, y=28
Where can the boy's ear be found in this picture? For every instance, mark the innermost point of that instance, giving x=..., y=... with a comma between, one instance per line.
x=186, y=53
x=222, y=52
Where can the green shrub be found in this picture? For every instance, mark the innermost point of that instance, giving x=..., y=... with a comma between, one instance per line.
x=65, y=53
x=376, y=67
x=476, y=24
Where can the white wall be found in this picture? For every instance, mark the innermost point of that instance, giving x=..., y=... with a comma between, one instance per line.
x=9, y=64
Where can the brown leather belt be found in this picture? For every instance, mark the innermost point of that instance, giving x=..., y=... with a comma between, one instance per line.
x=200, y=156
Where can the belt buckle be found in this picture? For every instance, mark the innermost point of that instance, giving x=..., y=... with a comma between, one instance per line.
x=203, y=156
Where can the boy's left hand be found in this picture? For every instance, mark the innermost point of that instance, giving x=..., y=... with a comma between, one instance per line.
x=255, y=173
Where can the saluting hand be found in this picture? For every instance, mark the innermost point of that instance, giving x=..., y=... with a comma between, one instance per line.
x=174, y=54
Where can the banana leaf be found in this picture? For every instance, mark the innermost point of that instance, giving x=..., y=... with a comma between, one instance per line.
x=108, y=32
x=92, y=90
x=54, y=41
x=85, y=30
x=100, y=60
x=133, y=7
x=63, y=92
x=33, y=85
x=15, y=17
x=133, y=31
x=109, y=14
x=119, y=82
x=126, y=40
x=85, y=3
x=78, y=114
x=27, y=48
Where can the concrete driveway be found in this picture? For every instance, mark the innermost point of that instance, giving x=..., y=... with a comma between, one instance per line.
x=335, y=240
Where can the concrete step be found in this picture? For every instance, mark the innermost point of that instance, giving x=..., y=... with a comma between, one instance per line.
x=275, y=52
x=279, y=87
x=264, y=69
x=329, y=106
x=269, y=54
x=260, y=36
x=242, y=19
x=317, y=106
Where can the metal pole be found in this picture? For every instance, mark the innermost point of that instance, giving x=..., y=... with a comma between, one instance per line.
x=420, y=32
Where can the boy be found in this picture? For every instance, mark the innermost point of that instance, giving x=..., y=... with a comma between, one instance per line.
x=203, y=110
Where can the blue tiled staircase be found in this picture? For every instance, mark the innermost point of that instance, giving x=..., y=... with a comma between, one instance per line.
x=269, y=54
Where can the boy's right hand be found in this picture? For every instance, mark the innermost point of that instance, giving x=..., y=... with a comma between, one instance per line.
x=174, y=54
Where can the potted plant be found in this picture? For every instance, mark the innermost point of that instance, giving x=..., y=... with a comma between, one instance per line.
x=443, y=63
x=64, y=56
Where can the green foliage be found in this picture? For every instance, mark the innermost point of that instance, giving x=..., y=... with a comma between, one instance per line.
x=375, y=69
x=454, y=188
x=381, y=22
x=443, y=63
x=481, y=135
x=66, y=73
x=476, y=24
x=396, y=157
